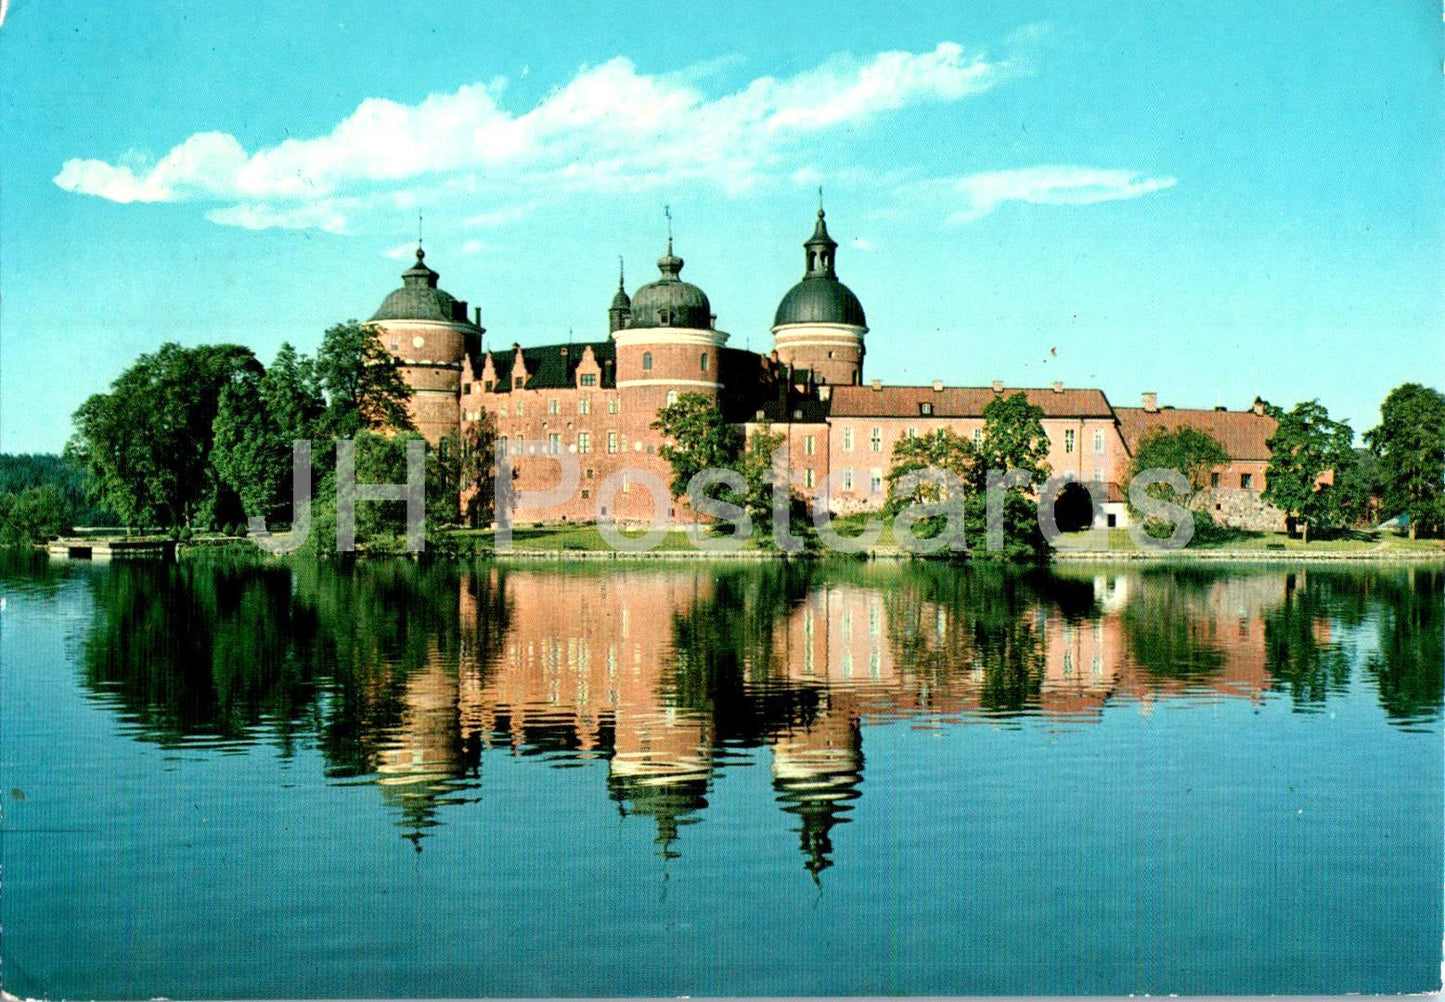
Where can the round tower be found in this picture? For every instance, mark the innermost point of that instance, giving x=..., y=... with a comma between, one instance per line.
x=820, y=324
x=669, y=345
x=429, y=333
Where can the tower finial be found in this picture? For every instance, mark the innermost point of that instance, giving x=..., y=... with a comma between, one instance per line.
x=621, y=274
x=667, y=211
x=820, y=201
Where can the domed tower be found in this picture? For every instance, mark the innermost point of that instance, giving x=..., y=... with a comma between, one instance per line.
x=621, y=309
x=669, y=344
x=820, y=324
x=429, y=333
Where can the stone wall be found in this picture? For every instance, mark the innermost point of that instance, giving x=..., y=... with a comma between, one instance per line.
x=1243, y=509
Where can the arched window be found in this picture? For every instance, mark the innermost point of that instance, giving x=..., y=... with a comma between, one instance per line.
x=671, y=397
x=647, y=361
x=702, y=361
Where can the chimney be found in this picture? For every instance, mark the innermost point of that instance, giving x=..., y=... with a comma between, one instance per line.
x=825, y=393
x=477, y=315
x=1058, y=387
x=938, y=386
x=1220, y=407
x=878, y=384
x=1258, y=406
x=998, y=385
x=1150, y=401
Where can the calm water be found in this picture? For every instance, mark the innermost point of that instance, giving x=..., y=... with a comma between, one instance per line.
x=436, y=779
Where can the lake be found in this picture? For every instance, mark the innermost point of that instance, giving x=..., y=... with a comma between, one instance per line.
x=397, y=778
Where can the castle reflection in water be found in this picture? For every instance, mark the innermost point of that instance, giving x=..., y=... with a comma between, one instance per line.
x=660, y=674
x=407, y=675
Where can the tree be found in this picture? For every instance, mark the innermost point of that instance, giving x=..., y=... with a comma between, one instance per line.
x=1410, y=443
x=1306, y=445
x=33, y=515
x=941, y=450
x=1013, y=439
x=1191, y=452
x=249, y=453
x=697, y=438
x=147, y=443
x=477, y=470
x=292, y=393
x=363, y=383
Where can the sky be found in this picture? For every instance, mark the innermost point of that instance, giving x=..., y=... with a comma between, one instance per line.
x=1211, y=201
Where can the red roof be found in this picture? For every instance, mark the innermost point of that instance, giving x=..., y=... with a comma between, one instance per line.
x=960, y=401
x=1243, y=434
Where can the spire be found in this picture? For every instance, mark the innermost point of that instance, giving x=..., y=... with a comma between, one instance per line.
x=669, y=264
x=621, y=309
x=820, y=249
x=419, y=274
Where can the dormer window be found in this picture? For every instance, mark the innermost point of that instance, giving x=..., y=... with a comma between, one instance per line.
x=664, y=318
x=926, y=409
x=517, y=382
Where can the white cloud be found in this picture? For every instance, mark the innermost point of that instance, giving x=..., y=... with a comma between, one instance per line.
x=863, y=244
x=610, y=127
x=400, y=251
x=1049, y=185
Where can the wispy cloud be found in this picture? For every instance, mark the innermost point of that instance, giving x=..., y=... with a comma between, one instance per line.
x=610, y=127
x=980, y=194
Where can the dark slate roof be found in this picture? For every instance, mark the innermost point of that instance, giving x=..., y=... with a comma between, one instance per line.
x=685, y=305
x=550, y=369
x=420, y=299
x=819, y=299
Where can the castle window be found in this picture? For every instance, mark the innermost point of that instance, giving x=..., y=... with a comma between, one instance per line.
x=554, y=443
x=1214, y=480
x=626, y=482
x=848, y=478
x=810, y=446
x=584, y=406
x=517, y=445
x=519, y=408
x=809, y=478
x=488, y=385
x=552, y=406
x=912, y=432
x=1068, y=440
x=1098, y=475
x=466, y=389
x=501, y=446
x=584, y=441
x=1098, y=440
x=848, y=440
x=664, y=318
x=517, y=382
x=395, y=344
x=875, y=482
x=876, y=441
x=926, y=409
x=588, y=379
x=612, y=441
x=702, y=361
x=647, y=361
x=1246, y=480
x=977, y=438
x=671, y=397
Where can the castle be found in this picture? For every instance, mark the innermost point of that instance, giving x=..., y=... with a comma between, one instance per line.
x=597, y=400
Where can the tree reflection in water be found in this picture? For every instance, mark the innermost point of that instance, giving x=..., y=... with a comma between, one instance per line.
x=405, y=673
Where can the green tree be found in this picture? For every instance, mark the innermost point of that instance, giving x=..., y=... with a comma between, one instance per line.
x=363, y=383
x=147, y=443
x=1306, y=445
x=1410, y=443
x=477, y=470
x=697, y=438
x=1191, y=452
x=1013, y=439
x=756, y=467
x=33, y=515
x=292, y=393
x=941, y=450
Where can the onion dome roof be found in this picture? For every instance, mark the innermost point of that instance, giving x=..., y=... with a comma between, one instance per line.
x=420, y=299
x=820, y=298
x=670, y=302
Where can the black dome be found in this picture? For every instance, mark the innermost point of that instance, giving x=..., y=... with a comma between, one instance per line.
x=820, y=300
x=670, y=302
x=420, y=299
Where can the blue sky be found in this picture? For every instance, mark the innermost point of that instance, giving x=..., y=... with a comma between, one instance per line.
x=1210, y=201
